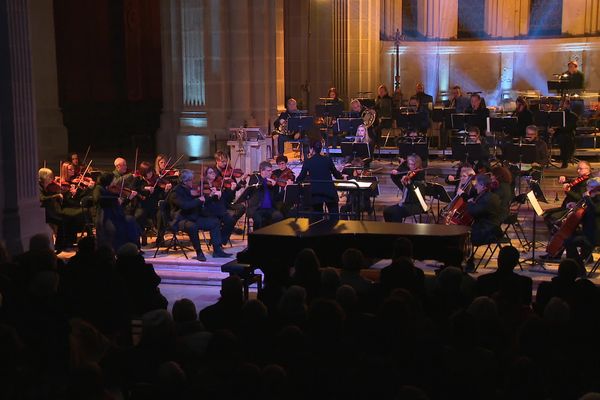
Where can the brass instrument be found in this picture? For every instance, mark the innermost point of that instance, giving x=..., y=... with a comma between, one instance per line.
x=368, y=116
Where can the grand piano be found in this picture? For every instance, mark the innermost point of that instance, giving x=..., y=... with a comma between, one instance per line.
x=276, y=245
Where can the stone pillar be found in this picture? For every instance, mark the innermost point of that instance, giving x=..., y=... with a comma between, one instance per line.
x=438, y=19
x=506, y=18
x=240, y=61
x=580, y=17
x=20, y=213
x=52, y=134
x=363, y=26
x=183, y=120
x=391, y=18
x=507, y=66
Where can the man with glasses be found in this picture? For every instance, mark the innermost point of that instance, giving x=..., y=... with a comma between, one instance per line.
x=261, y=195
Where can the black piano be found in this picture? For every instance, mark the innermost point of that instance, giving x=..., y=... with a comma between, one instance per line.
x=276, y=246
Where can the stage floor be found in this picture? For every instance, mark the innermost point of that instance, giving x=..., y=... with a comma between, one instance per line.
x=183, y=277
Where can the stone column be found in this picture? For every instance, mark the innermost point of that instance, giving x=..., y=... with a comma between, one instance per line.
x=506, y=18
x=183, y=120
x=363, y=46
x=507, y=66
x=240, y=60
x=391, y=18
x=52, y=134
x=20, y=213
x=580, y=17
x=438, y=19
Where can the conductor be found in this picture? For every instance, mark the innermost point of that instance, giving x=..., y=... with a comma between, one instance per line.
x=319, y=169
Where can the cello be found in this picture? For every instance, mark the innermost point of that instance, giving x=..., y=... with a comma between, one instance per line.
x=568, y=224
x=455, y=213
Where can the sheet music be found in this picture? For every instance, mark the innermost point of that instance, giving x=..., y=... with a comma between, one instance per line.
x=422, y=201
x=535, y=203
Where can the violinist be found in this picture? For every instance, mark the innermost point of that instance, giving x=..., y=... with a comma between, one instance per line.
x=408, y=176
x=147, y=184
x=189, y=214
x=160, y=167
x=261, y=195
x=282, y=176
x=113, y=227
x=573, y=190
x=120, y=173
x=565, y=136
x=64, y=222
x=579, y=246
x=218, y=196
x=74, y=159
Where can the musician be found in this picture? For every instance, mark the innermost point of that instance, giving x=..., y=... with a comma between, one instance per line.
x=423, y=98
x=383, y=107
x=478, y=108
x=282, y=175
x=465, y=173
x=113, y=227
x=152, y=190
x=262, y=195
x=280, y=124
x=237, y=209
x=579, y=246
x=422, y=121
x=457, y=100
x=356, y=108
x=218, y=193
x=574, y=75
x=524, y=116
x=534, y=170
x=474, y=138
x=62, y=208
x=358, y=170
x=565, y=136
x=486, y=212
x=321, y=168
x=333, y=97
x=502, y=186
x=408, y=176
x=160, y=165
x=574, y=191
x=190, y=215
x=74, y=159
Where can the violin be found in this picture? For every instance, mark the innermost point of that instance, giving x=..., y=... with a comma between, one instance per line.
x=124, y=191
x=284, y=177
x=407, y=178
x=83, y=181
x=575, y=182
x=232, y=172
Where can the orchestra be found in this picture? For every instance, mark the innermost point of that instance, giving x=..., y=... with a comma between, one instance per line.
x=482, y=188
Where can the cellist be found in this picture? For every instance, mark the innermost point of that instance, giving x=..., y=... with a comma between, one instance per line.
x=580, y=244
x=573, y=189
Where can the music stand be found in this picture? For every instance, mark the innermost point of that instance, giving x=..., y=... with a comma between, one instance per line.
x=436, y=192
x=301, y=123
x=467, y=152
x=329, y=110
x=351, y=149
x=348, y=125
x=557, y=119
x=534, y=196
x=407, y=120
x=417, y=147
x=520, y=153
x=506, y=125
x=540, y=118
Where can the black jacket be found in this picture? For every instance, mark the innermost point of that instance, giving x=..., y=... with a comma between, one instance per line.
x=485, y=211
x=183, y=205
x=320, y=168
x=256, y=193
